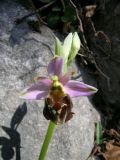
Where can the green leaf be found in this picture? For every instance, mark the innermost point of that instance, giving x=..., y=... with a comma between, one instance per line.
x=53, y=20
x=69, y=15
x=98, y=133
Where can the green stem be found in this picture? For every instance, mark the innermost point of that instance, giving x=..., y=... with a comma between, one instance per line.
x=47, y=139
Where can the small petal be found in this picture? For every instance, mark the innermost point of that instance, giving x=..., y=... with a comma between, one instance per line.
x=34, y=95
x=55, y=66
x=65, y=78
x=44, y=82
x=76, y=88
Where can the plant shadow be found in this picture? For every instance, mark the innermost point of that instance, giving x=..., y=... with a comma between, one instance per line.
x=10, y=147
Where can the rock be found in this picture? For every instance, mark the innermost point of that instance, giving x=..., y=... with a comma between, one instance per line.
x=23, y=55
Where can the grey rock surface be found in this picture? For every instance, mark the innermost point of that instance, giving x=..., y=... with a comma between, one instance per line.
x=20, y=61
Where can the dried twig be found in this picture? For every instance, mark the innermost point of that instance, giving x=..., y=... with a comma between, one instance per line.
x=80, y=23
x=91, y=57
x=34, y=8
x=103, y=74
x=19, y=20
x=63, y=4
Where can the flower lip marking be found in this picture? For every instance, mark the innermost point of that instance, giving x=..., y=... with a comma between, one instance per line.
x=60, y=114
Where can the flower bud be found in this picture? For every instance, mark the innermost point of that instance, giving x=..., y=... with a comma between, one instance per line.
x=74, y=47
x=67, y=47
x=58, y=47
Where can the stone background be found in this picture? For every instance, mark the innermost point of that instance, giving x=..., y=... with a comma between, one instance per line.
x=24, y=55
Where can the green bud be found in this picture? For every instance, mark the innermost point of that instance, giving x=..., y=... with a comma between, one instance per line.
x=74, y=47
x=67, y=47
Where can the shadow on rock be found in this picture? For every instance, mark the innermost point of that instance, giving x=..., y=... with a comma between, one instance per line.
x=18, y=31
x=11, y=146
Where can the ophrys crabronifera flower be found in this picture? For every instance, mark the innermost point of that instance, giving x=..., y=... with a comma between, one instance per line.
x=57, y=89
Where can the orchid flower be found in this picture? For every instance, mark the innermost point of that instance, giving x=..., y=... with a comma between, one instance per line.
x=57, y=89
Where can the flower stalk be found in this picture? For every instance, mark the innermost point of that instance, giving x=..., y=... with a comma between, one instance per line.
x=47, y=139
